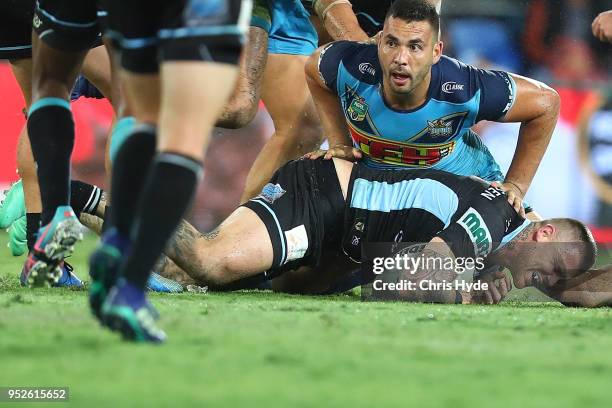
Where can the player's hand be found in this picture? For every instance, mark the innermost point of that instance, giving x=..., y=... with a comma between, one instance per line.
x=602, y=26
x=514, y=194
x=498, y=286
x=340, y=151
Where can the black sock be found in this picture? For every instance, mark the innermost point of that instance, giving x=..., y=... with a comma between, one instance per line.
x=32, y=226
x=130, y=170
x=106, y=219
x=84, y=197
x=51, y=131
x=167, y=194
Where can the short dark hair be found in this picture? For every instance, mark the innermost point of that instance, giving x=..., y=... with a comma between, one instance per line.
x=580, y=238
x=415, y=10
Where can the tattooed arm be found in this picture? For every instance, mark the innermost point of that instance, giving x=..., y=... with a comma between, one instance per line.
x=430, y=273
x=592, y=288
x=435, y=277
x=244, y=102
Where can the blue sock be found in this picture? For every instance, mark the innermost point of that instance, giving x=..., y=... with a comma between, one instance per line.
x=114, y=238
x=132, y=293
x=121, y=131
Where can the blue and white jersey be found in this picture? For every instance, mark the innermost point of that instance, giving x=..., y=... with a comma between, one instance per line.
x=469, y=214
x=434, y=135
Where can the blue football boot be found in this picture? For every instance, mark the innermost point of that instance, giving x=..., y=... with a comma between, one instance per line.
x=54, y=243
x=127, y=311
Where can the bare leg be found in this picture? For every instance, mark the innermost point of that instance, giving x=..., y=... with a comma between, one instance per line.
x=95, y=68
x=22, y=69
x=239, y=248
x=295, y=119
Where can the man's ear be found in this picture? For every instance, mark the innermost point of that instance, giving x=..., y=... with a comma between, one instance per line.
x=438, y=49
x=544, y=233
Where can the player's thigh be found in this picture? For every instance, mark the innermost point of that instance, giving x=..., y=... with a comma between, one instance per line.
x=97, y=69
x=199, y=51
x=285, y=91
x=243, y=244
x=22, y=70
x=65, y=31
x=193, y=96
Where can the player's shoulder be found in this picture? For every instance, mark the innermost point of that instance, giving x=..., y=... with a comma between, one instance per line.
x=454, y=81
x=359, y=59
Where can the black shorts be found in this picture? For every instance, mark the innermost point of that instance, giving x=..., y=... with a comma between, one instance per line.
x=16, y=29
x=147, y=32
x=69, y=25
x=303, y=209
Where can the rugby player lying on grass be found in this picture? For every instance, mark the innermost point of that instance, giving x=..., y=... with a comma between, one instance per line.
x=303, y=222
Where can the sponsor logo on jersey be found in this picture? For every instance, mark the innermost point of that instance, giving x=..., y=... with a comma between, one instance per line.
x=367, y=68
x=358, y=109
x=440, y=128
x=271, y=192
x=451, y=87
x=297, y=243
x=36, y=22
x=400, y=153
x=478, y=232
x=491, y=193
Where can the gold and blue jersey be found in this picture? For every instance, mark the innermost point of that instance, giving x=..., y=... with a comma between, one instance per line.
x=434, y=135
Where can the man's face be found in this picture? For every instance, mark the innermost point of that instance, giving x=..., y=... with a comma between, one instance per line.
x=543, y=264
x=406, y=51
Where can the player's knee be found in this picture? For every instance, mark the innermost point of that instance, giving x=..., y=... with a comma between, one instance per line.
x=218, y=271
x=51, y=87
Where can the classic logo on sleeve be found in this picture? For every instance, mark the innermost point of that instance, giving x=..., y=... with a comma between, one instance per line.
x=478, y=232
x=451, y=87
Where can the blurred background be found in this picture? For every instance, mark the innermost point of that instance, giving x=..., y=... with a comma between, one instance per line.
x=549, y=40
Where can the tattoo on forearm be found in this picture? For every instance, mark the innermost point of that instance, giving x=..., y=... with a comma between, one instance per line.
x=435, y=275
x=209, y=236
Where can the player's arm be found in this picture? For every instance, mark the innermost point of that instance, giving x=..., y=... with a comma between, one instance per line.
x=536, y=106
x=602, y=26
x=339, y=19
x=330, y=114
x=591, y=289
x=429, y=272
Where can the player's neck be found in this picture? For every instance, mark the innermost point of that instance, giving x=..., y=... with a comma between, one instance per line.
x=407, y=101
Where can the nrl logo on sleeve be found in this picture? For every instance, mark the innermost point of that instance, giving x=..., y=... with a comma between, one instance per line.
x=367, y=68
x=451, y=87
x=478, y=232
x=439, y=127
x=271, y=193
x=358, y=109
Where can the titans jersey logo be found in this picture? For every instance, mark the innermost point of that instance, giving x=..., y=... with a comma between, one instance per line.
x=441, y=129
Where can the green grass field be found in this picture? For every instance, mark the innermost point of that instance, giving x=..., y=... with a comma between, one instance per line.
x=262, y=349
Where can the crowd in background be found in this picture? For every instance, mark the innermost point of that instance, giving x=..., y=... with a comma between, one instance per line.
x=549, y=40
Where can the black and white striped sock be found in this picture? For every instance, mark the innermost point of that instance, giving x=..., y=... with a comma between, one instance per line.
x=84, y=198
